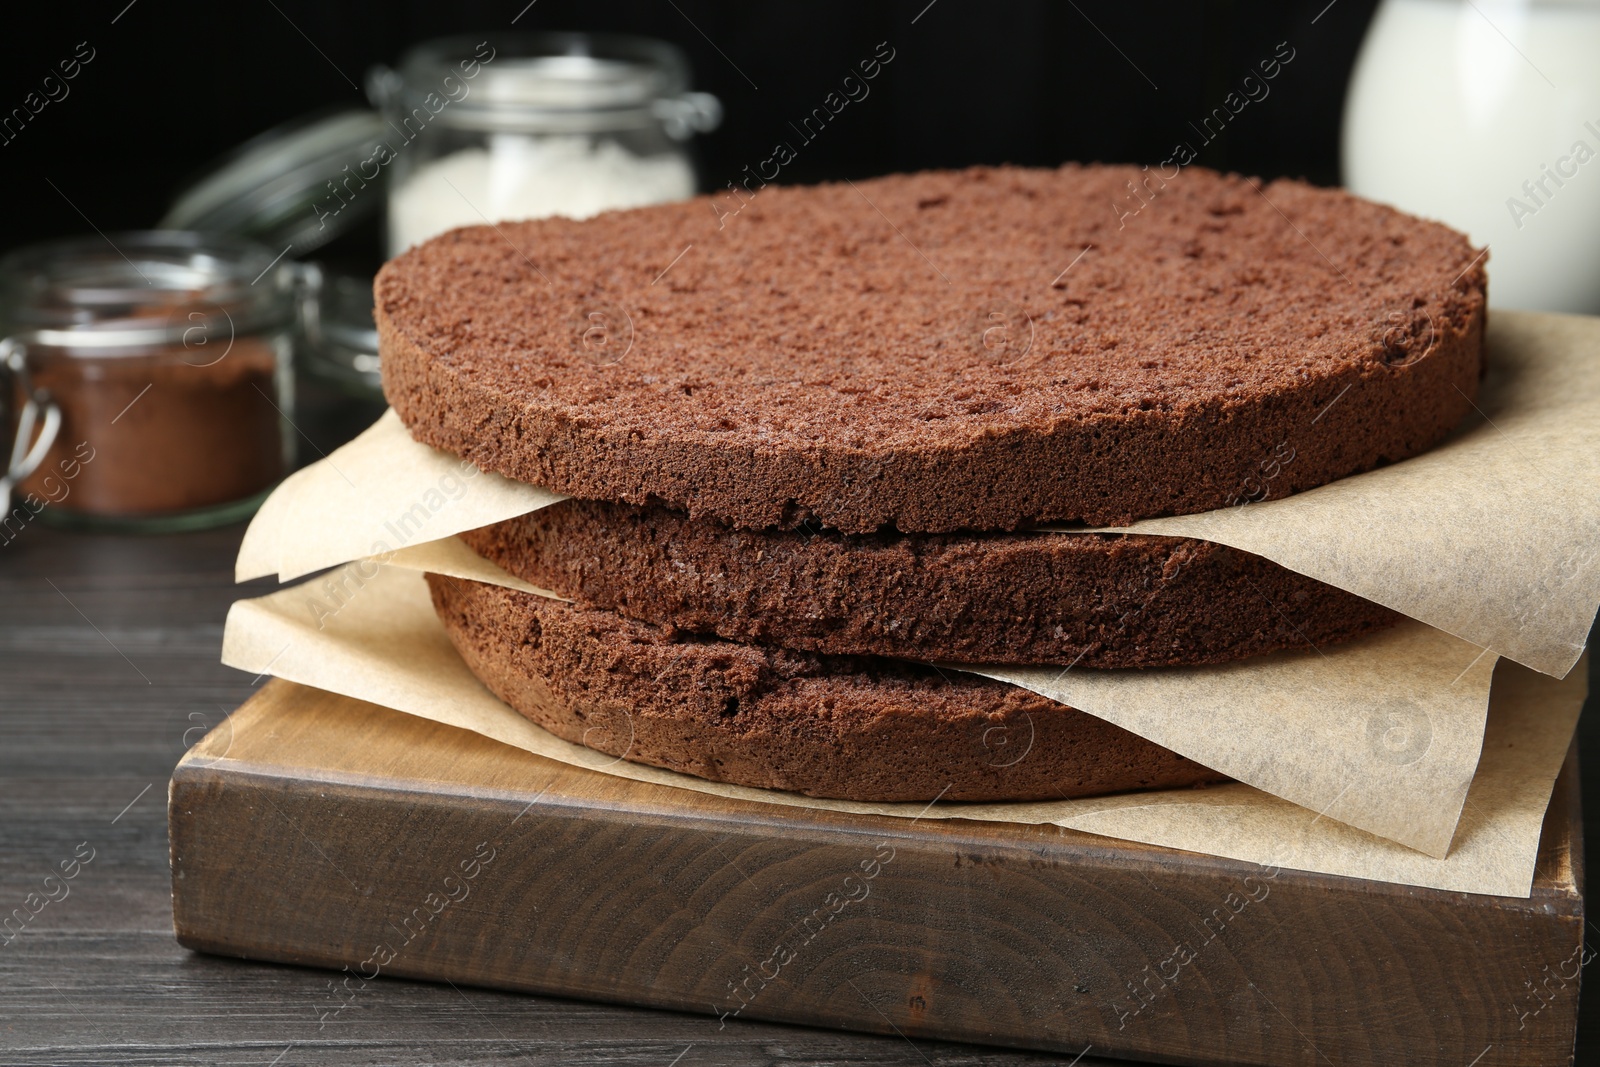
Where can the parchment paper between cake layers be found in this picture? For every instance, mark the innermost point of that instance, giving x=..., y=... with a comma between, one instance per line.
x=1382, y=733
x=386, y=646
x=1493, y=536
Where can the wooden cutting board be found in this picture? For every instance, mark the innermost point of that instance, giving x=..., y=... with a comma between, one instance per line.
x=314, y=829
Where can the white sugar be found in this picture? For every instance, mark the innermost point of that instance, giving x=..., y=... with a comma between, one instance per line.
x=523, y=177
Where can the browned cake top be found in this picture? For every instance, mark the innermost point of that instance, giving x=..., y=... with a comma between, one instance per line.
x=906, y=327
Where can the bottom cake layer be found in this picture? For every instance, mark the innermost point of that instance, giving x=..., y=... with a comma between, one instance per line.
x=852, y=728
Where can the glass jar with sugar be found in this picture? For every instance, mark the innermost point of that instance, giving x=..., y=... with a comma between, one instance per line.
x=527, y=126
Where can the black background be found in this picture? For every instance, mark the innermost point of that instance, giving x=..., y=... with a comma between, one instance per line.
x=173, y=85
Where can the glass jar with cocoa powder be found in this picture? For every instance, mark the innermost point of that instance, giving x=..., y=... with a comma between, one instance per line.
x=167, y=355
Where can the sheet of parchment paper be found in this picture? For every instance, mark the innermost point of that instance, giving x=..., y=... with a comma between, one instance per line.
x=385, y=645
x=378, y=493
x=1493, y=536
x=1381, y=733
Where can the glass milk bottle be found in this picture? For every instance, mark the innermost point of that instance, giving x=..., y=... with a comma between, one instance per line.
x=1485, y=114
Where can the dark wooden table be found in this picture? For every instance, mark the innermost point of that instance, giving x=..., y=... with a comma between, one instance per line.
x=108, y=671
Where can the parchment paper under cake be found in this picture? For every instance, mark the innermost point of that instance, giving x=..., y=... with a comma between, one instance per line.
x=388, y=647
x=1382, y=733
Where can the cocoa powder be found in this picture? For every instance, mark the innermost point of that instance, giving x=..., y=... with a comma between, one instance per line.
x=168, y=435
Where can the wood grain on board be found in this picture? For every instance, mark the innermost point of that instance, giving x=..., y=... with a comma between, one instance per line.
x=314, y=829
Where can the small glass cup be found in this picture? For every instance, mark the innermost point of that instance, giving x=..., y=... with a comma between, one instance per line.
x=163, y=362
x=340, y=337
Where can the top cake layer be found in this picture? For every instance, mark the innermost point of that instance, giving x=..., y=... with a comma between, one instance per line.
x=979, y=349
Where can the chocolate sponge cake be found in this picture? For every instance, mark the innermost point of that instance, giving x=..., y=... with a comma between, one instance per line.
x=972, y=350
x=846, y=727
x=1085, y=599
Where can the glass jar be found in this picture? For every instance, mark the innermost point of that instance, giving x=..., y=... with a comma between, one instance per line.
x=527, y=126
x=166, y=358
x=1485, y=114
x=340, y=338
